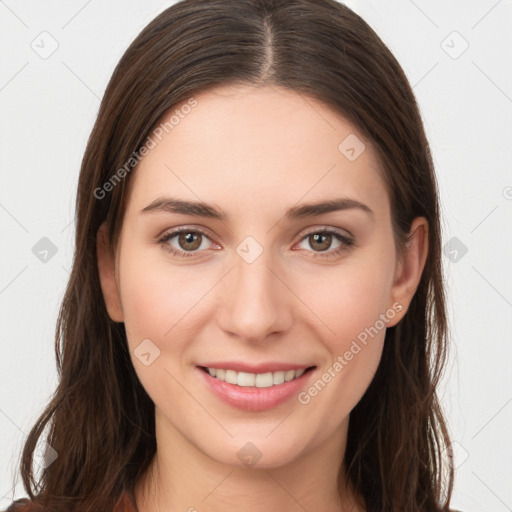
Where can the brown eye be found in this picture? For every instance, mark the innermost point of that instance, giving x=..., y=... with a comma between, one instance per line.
x=320, y=241
x=189, y=241
x=185, y=242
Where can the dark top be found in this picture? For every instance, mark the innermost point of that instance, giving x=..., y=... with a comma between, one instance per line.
x=125, y=503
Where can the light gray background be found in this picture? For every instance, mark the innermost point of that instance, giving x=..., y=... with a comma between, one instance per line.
x=48, y=106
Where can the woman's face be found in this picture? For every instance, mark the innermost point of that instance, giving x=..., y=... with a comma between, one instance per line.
x=270, y=282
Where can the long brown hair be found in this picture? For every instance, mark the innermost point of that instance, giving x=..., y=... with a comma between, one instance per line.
x=100, y=419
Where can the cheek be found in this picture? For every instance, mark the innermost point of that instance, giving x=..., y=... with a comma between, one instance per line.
x=156, y=298
x=351, y=302
x=347, y=299
x=351, y=306
x=158, y=301
x=162, y=306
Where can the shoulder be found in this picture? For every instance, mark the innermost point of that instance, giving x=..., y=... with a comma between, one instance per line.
x=125, y=503
x=24, y=505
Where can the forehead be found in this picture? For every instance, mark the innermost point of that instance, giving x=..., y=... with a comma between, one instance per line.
x=268, y=146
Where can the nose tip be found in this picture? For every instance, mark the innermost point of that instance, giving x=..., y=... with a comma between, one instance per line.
x=254, y=303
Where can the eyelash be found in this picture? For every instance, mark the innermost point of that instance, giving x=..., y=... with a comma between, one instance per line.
x=347, y=242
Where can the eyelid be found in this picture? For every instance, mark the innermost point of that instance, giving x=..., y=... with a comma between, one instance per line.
x=320, y=229
x=179, y=229
x=347, y=242
x=172, y=232
x=203, y=231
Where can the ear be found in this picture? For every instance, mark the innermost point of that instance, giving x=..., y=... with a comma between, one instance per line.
x=106, y=270
x=409, y=269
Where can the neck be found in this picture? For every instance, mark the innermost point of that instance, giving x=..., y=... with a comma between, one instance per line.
x=182, y=477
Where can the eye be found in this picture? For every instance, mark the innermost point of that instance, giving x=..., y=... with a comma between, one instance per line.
x=321, y=242
x=188, y=241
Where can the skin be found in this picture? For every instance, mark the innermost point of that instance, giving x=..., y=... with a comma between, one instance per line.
x=254, y=153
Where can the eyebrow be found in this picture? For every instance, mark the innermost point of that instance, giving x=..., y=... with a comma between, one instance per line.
x=201, y=209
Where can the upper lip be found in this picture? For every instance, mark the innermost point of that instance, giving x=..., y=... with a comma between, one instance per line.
x=240, y=366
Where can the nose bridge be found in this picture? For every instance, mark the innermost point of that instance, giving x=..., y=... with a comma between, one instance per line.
x=255, y=302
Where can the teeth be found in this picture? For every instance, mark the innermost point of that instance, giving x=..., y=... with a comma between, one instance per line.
x=289, y=375
x=245, y=379
x=230, y=377
x=260, y=380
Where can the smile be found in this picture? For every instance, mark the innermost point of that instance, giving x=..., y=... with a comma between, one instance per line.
x=258, y=380
x=255, y=391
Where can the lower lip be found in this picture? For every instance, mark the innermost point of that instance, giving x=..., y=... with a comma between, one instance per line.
x=253, y=398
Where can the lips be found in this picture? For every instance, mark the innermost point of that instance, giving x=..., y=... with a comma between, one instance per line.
x=240, y=366
x=255, y=398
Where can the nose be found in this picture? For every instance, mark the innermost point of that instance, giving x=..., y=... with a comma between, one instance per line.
x=254, y=300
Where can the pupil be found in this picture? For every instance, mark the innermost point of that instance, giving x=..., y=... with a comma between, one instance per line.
x=318, y=237
x=190, y=238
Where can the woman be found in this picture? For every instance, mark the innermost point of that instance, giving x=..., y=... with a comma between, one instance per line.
x=255, y=316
